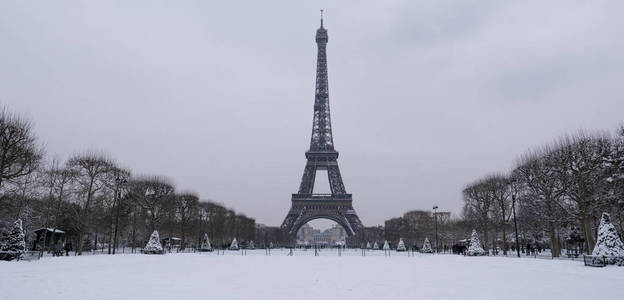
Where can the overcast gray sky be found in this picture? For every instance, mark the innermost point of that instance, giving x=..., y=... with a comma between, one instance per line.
x=426, y=96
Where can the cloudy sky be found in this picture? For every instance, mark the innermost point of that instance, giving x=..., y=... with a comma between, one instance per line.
x=426, y=96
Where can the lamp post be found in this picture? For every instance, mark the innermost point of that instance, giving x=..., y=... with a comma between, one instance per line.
x=199, y=221
x=119, y=181
x=513, y=209
x=435, y=218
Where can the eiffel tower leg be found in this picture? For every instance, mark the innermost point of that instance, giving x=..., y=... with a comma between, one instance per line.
x=335, y=180
x=307, y=180
x=289, y=222
x=354, y=221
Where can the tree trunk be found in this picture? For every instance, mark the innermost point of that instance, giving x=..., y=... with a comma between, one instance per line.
x=80, y=238
x=554, y=243
x=110, y=233
x=170, y=236
x=182, y=240
x=58, y=212
x=133, y=230
x=504, y=241
x=95, y=242
x=199, y=235
x=45, y=247
x=85, y=217
x=590, y=242
x=485, y=237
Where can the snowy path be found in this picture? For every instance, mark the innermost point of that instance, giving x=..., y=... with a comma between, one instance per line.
x=255, y=276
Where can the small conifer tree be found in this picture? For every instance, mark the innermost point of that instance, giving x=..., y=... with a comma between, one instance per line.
x=234, y=245
x=386, y=246
x=608, y=243
x=401, y=246
x=427, y=246
x=153, y=245
x=475, y=248
x=14, y=246
x=205, y=245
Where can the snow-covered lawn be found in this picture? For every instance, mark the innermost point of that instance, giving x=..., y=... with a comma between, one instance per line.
x=304, y=276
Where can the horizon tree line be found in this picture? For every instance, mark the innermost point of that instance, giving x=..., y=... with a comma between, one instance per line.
x=558, y=192
x=96, y=202
x=559, y=189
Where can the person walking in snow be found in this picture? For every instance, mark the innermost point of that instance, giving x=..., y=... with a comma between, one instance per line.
x=58, y=248
x=68, y=248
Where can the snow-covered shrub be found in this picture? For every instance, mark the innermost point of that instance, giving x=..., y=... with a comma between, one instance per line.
x=401, y=246
x=153, y=245
x=609, y=243
x=205, y=244
x=375, y=246
x=426, y=248
x=475, y=248
x=234, y=245
x=14, y=246
x=252, y=245
x=368, y=245
x=386, y=246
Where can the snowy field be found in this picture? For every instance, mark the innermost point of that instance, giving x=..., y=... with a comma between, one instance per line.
x=304, y=276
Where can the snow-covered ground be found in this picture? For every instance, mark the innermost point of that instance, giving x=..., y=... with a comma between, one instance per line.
x=304, y=276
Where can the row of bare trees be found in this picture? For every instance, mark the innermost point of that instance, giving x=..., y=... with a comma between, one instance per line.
x=558, y=188
x=97, y=203
x=417, y=225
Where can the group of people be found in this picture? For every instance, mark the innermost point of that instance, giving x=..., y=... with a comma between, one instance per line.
x=531, y=249
x=459, y=248
x=60, y=247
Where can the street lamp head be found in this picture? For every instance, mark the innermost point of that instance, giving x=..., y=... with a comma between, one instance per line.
x=435, y=207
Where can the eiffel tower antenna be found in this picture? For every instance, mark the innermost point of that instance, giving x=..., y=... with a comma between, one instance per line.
x=321, y=18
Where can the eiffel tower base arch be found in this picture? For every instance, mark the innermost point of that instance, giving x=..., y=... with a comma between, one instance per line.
x=306, y=210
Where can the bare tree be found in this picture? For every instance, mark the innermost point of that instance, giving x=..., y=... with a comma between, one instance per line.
x=614, y=166
x=19, y=153
x=48, y=181
x=535, y=175
x=110, y=201
x=581, y=172
x=152, y=194
x=478, y=203
x=185, y=204
x=121, y=179
x=497, y=186
x=63, y=179
x=92, y=171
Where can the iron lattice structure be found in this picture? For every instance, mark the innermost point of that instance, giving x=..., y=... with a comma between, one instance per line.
x=306, y=205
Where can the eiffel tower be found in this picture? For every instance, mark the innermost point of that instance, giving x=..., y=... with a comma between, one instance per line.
x=306, y=205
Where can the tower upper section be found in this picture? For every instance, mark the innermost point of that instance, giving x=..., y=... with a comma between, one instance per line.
x=322, y=139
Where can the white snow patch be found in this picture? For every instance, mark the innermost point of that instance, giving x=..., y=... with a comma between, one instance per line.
x=304, y=276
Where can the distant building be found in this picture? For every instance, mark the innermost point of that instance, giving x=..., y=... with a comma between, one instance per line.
x=307, y=235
